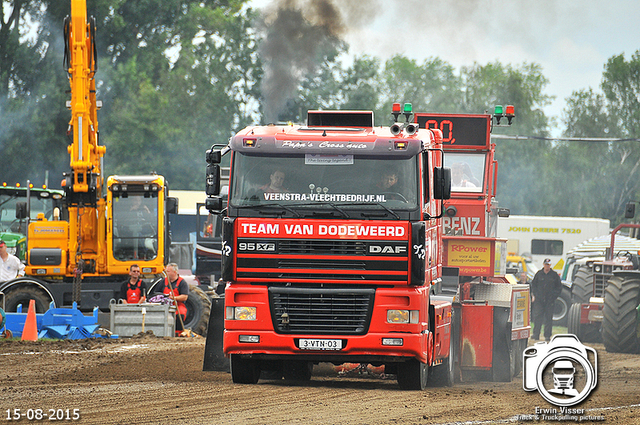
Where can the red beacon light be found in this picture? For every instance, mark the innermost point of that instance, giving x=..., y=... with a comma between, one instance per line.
x=395, y=110
x=510, y=113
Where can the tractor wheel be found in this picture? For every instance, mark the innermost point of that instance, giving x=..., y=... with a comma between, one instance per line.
x=22, y=294
x=585, y=332
x=621, y=323
x=561, y=307
x=582, y=287
x=198, y=310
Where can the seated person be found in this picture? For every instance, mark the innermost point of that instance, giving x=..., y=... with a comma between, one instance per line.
x=461, y=175
x=276, y=182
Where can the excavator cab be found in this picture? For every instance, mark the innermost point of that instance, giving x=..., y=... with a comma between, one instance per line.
x=137, y=231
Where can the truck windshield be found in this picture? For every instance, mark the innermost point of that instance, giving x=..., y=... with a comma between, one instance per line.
x=467, y=171
x=135, y=227
x=325, y=181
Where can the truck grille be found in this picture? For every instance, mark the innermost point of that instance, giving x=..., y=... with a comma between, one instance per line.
x=326, y=261
x=300, y=246
x=326, y=311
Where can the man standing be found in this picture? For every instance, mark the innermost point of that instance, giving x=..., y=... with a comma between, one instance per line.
x=133, y=290
x=545, y=287
x=10, y=266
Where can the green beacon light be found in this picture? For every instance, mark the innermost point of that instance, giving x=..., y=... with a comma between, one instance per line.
x=407, y=110
x=498, y=110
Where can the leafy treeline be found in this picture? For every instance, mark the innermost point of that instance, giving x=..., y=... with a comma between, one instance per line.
x=176, y=76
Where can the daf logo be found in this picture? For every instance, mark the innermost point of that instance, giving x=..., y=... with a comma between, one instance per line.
x=387, y=249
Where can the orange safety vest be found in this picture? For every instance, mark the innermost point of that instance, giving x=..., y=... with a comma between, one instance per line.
x=182, y=308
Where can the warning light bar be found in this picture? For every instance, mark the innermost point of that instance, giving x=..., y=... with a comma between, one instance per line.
x=499, y=112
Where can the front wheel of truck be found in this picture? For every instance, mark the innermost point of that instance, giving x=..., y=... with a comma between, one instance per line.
x=244, y=371
x=412, y=375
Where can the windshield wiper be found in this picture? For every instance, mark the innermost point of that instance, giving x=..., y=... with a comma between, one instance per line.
x=390, y=211
x=331, y=204
x=260, y=206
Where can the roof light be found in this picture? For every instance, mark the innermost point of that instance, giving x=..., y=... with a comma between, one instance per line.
x=498, y=110
x=395, y=107
x=17, y=184
x=408, y=109
x=250, y=143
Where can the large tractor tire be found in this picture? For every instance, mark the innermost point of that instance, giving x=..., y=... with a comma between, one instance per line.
x=621, y=325
x=21, y=294
x=561, y=307
x=198, y=310
x=584, y=331
x=582, y=287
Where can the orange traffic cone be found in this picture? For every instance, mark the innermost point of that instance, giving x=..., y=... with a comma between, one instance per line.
x=30, y=331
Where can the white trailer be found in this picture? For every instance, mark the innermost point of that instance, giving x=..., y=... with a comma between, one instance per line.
x=549, y=237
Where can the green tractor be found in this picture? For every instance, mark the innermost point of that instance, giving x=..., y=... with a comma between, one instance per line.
x=18, y=206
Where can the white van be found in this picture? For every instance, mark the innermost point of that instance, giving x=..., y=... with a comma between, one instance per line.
x=548, y=237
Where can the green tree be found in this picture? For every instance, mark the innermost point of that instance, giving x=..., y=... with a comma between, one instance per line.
x=601, y=178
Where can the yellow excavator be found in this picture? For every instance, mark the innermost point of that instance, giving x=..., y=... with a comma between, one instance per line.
x=84, y=253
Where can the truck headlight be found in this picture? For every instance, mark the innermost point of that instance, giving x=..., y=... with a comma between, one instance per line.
x=241, y=313
x=403, y=316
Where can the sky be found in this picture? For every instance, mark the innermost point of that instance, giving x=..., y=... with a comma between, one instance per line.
x=571, y=39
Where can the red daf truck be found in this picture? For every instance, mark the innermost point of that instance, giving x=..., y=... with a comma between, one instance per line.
x=333, y=249
x=474, y=259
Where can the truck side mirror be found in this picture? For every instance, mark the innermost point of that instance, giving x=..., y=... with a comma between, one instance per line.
x=442, y=183
x=213, y=180
x=21, y=210
x=630, y=210
x=213, y=156
x=172, y=205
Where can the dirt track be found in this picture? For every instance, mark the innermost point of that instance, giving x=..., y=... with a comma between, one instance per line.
x=148, y=380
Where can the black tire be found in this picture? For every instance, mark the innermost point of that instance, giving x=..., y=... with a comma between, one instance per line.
x=297, y=370
x=620, y=324
x=585, y=332
x=413, y=375
x=198, y=310
x=244, y=371
x=582, y=286
x=21, y=294
x=443, y=375
x=561, y=307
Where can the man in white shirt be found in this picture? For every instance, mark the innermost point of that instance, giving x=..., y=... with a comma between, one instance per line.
x=10, y=266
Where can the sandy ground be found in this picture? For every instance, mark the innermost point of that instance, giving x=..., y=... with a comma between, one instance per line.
x=149, y=380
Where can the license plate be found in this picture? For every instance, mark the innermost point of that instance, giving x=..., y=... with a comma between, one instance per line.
x=321, y=344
